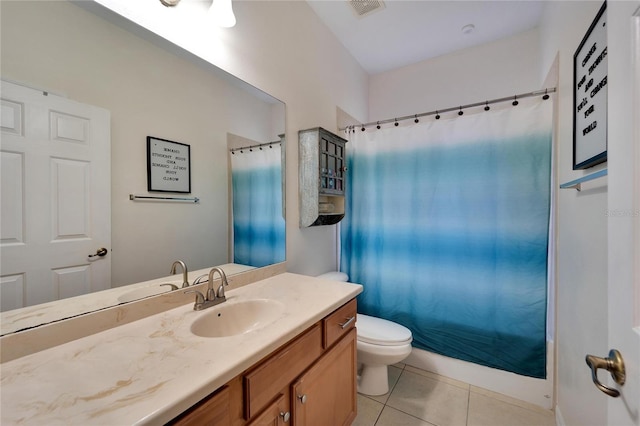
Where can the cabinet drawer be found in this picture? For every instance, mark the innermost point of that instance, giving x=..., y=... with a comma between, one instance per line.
x=339, y=323
x=265, y=381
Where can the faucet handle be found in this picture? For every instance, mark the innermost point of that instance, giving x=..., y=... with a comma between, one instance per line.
x=199, y=299
x=199, y=279
x=173, y=286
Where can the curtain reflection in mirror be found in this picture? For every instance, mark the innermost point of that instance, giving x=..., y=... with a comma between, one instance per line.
x=258, y=225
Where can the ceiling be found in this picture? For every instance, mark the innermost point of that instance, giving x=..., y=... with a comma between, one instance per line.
x=405, y=32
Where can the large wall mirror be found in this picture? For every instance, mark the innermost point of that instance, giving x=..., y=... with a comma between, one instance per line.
x=149, y=87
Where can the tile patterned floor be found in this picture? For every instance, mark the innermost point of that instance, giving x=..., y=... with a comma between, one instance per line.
x=421, y=398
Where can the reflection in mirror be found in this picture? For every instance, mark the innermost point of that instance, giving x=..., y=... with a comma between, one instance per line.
x=257, y=202
x=148, y=87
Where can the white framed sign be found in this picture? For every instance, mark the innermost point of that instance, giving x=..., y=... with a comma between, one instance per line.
x=168, y=166
x=590, y=95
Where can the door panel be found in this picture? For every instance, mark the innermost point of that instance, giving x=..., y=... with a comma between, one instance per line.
x=624, y=207
x=12, y=187
x=56, y=197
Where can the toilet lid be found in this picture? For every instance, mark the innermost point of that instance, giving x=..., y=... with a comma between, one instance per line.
x=381, y=332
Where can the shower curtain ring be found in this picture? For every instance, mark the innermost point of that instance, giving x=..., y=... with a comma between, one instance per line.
x=378, y=125
x=416, y=120
x=396, y=123
x=437, y=115
x=515, y=101
x=486, y=106
x=362, y=128
x=460, y=112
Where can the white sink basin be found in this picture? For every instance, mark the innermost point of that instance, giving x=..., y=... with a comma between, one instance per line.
x=231, y=319
x=141, y=293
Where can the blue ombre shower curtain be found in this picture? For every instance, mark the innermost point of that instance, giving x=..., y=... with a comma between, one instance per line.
x=258, y=222
x=447, y=226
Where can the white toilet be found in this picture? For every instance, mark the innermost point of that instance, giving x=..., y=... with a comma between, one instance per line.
x=380, y=344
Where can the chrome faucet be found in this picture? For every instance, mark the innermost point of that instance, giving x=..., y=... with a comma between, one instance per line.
x=211, y=297
x=185, y=273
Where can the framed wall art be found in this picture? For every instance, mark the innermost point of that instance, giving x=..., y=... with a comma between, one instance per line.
x=590, y=95
x=168, y=166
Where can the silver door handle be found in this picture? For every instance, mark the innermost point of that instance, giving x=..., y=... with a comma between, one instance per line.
x=613, y=364
x=100, y=252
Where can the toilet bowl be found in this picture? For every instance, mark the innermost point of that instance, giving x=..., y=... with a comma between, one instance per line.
x=380, y=343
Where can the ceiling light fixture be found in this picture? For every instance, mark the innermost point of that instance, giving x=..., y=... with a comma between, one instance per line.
x=468, y=29
x=221, y=12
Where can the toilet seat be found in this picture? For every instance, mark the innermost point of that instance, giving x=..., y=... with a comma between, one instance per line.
x=381, y=332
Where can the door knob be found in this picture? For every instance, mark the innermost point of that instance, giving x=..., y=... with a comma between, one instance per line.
x=613, y=364
x=100, y=252
x=302, y=398
x=285, y=416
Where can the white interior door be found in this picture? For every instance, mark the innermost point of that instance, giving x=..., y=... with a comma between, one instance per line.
x=624, y=209
x=55, y=197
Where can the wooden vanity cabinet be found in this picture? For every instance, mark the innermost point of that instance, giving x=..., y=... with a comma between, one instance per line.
x=310, y=380
x=214, y=410
x=326, y=393
x=278, y=413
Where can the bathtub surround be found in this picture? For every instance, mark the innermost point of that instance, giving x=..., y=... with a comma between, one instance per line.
x=447, y=229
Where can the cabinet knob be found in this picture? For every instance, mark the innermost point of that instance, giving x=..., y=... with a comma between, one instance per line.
x=302, y=398
x=285, y=416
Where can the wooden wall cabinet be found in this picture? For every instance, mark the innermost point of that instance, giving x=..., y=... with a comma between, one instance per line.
x=311, y=380
x=322, y=169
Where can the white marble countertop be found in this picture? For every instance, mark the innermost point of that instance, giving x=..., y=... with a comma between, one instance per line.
x=151, y=370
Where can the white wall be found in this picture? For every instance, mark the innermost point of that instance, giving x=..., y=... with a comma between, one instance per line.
x=280, y=47
x=63, y=48
x=582, y=231
x=493, y=70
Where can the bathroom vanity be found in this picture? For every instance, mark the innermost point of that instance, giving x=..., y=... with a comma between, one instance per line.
x=309, y=380
x=294, y=367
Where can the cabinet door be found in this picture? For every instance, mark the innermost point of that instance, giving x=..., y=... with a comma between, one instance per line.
x=326, y=393
x=276, y=414
x=332, y=163
x=212, y=411
x=267, y=379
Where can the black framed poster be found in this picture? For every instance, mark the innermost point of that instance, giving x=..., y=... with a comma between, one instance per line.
x=590, y=95
x=168, y=166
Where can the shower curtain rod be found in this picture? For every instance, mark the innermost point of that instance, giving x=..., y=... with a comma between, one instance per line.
x=250, y=147
x=544, y=92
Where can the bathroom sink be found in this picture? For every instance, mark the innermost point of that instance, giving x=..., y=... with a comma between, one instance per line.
x=231, y=319
x=141, y=293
